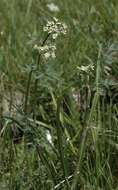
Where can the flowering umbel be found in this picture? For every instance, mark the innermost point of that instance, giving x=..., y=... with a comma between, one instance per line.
x=54, y=29
x=47, y=50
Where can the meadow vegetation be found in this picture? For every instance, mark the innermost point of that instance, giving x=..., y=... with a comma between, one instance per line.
x=58, y=95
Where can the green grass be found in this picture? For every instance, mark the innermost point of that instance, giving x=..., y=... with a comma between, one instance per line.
x=37, y=99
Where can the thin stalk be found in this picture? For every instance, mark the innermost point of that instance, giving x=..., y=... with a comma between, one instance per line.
x=30, y=77
x=45, y=161
x=59, y=136
x=98, y=69
x=38, y=63
x=27, y=91
x=39, y=55
x=78, y=168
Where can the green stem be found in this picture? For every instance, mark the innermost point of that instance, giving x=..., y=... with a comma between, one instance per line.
x=45, y=161
x=30, y=77
x=59, y=136
x=36, y=81
x=27, y=91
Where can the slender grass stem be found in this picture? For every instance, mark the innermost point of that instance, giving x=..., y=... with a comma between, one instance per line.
x=59, y=136
x=27, y=91
x=79, y=165
x=45, y=161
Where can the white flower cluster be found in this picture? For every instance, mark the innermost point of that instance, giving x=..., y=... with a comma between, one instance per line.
x=52, y=7
x=47, y=50
x=55, y=28
x=86, y=68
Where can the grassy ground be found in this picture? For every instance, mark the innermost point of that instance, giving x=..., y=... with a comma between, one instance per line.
x=59, y=119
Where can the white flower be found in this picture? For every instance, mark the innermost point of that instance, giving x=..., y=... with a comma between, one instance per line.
x=1, y=33
x=36, y=47
x=75, y=97
x=43, y=48
x=55, y=28
x=55, y=19
x=53, y=55
x=47, y=50
x=54, y=36
x=52, y=7
x=47, y=55
x=86, y=68
x=49, y=137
